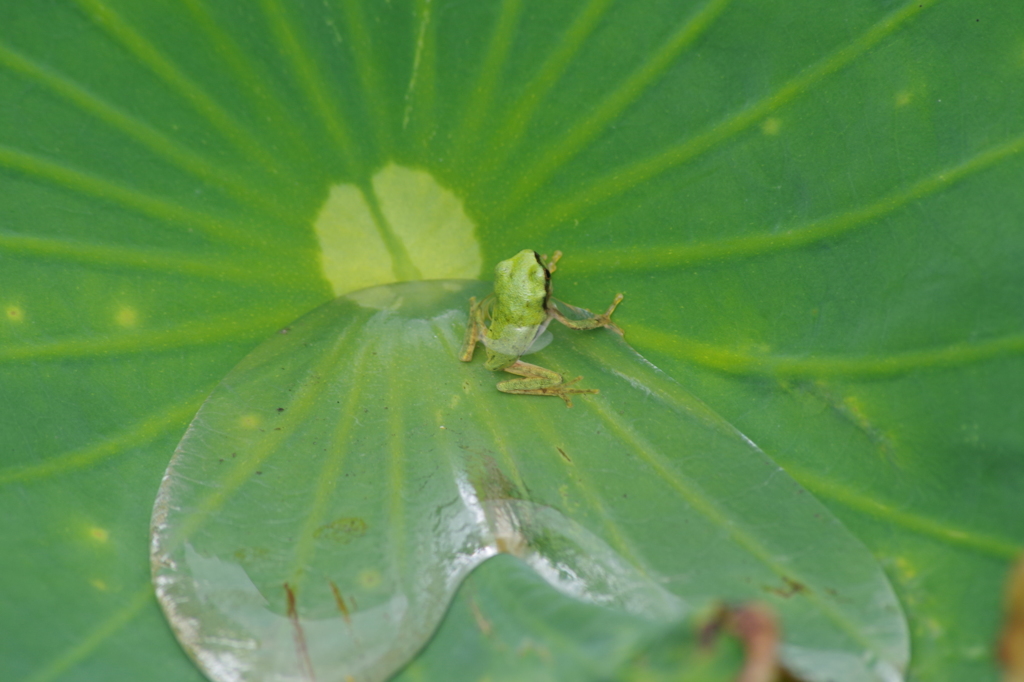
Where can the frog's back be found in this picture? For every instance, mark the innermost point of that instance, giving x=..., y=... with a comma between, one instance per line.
x=517, y=313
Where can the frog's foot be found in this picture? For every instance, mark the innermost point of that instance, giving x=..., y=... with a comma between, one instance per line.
x=563, y=391
x=605, y=318
x=602, y=320
x=541, y=381
x=551, y=265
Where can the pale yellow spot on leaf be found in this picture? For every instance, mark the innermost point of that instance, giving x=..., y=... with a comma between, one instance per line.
x=126, y=316
x=903, y=98
x=934, y=627
x=99, y=534
x=975, y=653
x=15, y=313
x=853, y=403
x=249, y=421
x=907, y=570
x=98, y=584
x=771, y=126
x=369, y=579
x=427, y=224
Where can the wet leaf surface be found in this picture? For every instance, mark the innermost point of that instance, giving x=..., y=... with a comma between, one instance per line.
x=337, y=487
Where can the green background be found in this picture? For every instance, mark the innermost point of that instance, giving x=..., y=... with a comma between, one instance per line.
x=813, y=210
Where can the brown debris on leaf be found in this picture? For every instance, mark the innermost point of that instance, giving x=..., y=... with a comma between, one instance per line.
x=1011, y=641
x=756, y=626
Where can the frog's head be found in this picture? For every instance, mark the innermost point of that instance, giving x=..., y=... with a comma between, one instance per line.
x=522, y=280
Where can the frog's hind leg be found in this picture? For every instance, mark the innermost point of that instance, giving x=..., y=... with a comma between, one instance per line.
x=540, y=381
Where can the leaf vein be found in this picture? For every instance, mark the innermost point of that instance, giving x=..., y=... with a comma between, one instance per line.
x=624, y=179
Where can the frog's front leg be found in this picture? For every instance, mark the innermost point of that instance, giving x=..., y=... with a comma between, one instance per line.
x=476, y=325
x=602, y=320
x=551, y=265
x=540, y=381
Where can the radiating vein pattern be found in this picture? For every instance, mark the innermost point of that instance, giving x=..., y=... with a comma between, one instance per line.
x=309, y=73
x=613, y=105
x=795, y=164
x=105, y=190
x=166, y=419
x=190, y=91
x=941, y=529
x=621, y=180
x=314, y=522
x=156, y=141
x=895, y=364
x=479, y=97
x=421, y=93
x=101, y=633
x=507, y=136
x=112, y=257
x=830, y=227
x=369, y=72
x=191, y=334
x=252, y=75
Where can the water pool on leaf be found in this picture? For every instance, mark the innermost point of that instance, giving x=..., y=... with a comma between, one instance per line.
x=340, y=483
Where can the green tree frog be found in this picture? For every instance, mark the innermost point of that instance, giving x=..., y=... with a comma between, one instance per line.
x=519, y=311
